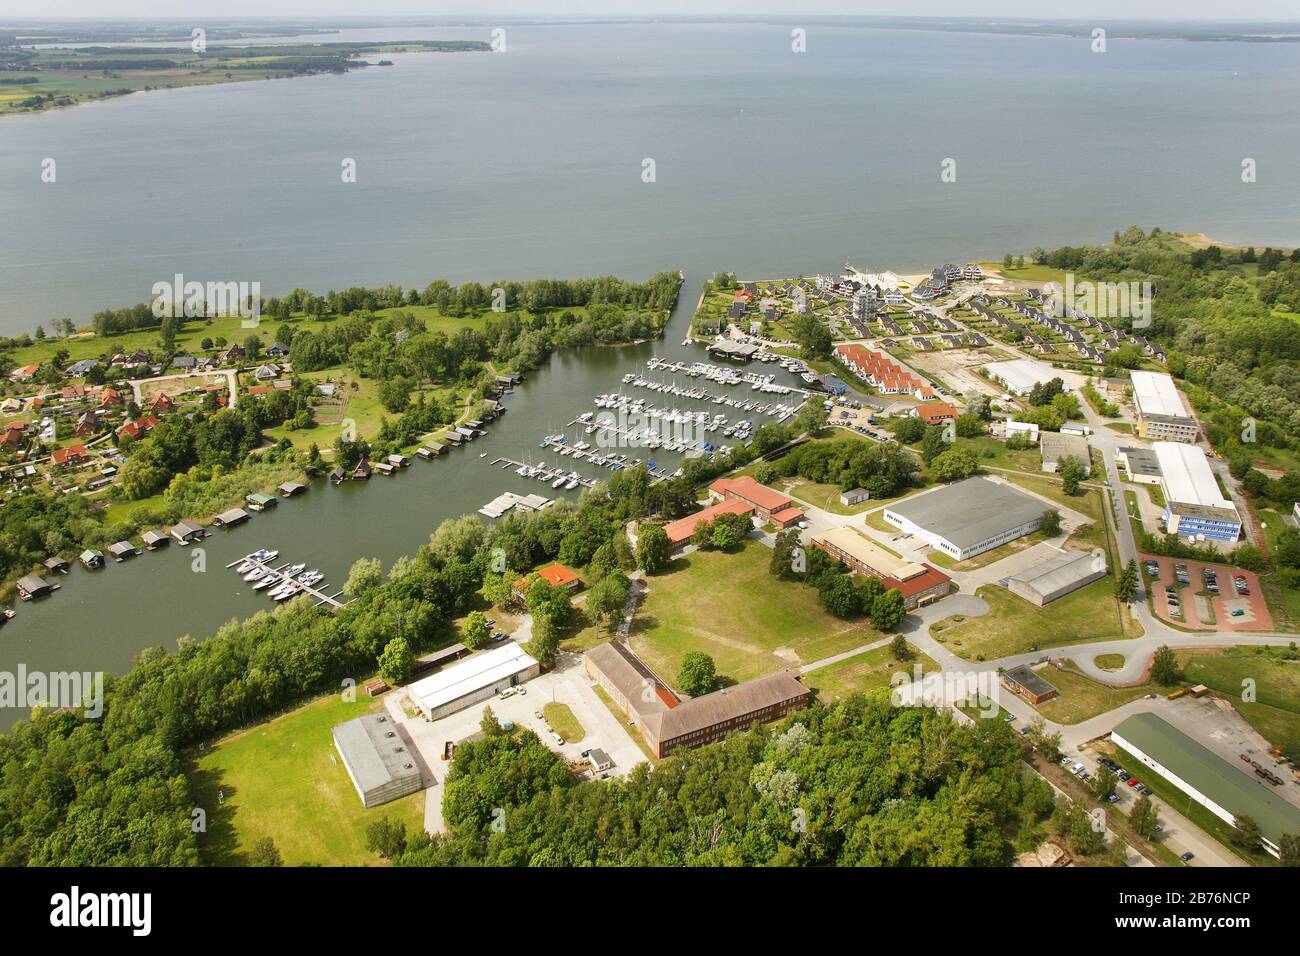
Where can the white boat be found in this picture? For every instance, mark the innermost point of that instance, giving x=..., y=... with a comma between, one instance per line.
x=245, y=566
x=287, y=593
x=294, y=569
x=571, y=484
x=270, y=579
x=558, y=482
x=255, y=574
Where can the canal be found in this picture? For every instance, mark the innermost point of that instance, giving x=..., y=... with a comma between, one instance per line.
x=99, y=620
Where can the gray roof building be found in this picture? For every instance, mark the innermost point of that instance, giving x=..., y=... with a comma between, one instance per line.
x=1068, y=571
x=377, y=758
x=968, y=517
x=1056, y=446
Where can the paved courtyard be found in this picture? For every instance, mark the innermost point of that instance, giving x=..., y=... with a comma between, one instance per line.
x=567, y=684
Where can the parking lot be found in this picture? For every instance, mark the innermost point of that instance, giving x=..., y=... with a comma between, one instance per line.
x=1198, y=607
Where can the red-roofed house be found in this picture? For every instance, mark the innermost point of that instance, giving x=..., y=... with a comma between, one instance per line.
x=109, y=397
x=137, y=428
x=770, y=505
x=556, y=575
x=24, y=373
x=72, y=455
x=935, y=413
x=162, y=404
x=14, y=435
x=679, y=532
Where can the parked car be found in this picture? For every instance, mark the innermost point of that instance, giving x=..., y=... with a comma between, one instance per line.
x=1123, y=774
x=1187, y=856
x=1132, y=782
x=508, y=692
x=557, y=738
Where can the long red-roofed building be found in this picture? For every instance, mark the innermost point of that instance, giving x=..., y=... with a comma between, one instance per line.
x=679, y=532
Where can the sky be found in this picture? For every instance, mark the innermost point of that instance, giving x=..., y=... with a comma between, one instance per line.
x=1065, y=9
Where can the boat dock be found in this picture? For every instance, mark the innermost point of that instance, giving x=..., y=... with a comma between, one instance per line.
x=320, y=596
x=508, y=501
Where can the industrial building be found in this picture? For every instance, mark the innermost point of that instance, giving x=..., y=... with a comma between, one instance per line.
x=919, y=584
x=1194, y=506
x=1019, y=376
x=1023, y=681
x=377, y=759
x=1162, y=413
x=968, y=517
x=1055, y=578
x=477, y=678
x=1142, y=465
x=1214, y=783
x=1056, y=446
x=667, y=723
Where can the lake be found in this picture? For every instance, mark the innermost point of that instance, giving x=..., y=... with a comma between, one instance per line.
x=529, y=163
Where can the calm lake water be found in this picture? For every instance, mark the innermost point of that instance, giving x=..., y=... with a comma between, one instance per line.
x=529, y=163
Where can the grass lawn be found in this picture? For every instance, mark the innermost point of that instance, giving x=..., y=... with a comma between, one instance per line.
x=1014, y=626
x=283, y=779
x=990, y=451
x=729, y=606
x=1083, y=698
x=563, y=722
x=865, y=672
x=1109, y=662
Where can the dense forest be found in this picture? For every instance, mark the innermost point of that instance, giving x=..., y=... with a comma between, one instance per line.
x=856, y=783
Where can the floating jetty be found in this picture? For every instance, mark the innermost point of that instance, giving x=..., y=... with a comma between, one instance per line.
x=508, y=501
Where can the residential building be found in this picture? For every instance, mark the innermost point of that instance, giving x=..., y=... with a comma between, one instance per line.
x=919, y=584
x=769, y=505
x=667, y=723
x=1162, y=413
x=680, y=531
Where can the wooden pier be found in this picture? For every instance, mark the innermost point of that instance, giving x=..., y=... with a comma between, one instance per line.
x=320, y=596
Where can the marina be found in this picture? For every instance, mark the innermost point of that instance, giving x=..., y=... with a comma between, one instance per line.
x=284, y=582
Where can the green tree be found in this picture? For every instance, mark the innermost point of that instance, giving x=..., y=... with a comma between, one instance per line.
x=1071, y=471
x=1103, y=785
x=724, y=536
x=652, y=549
x=476, y=631
x=1127, y=583
x=1050, y=525
x=1164, y=667
x=396, y=661
x=698, y=674
x=954, y=464
x=838, y=595
x=387, y=837
x=488, y=724
x=900, y=649
x=1245, y=833
x=265, y=853
x=1143, y=818
x=366, y=575
x=888, y=610
x=1289, y=849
